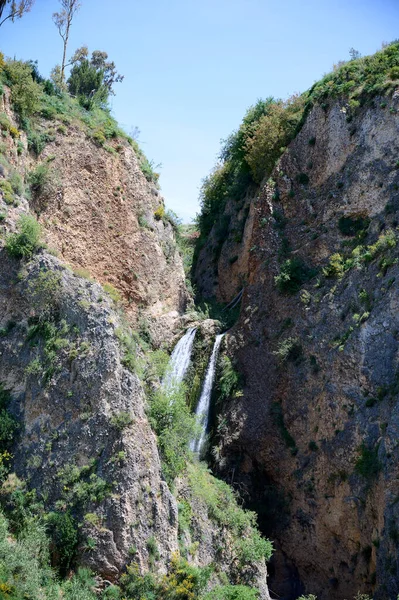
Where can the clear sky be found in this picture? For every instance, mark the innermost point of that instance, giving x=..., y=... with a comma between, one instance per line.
x=193, y=67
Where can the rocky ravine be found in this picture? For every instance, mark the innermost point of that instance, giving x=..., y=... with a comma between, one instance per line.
x=314, y=438
x=84, y=441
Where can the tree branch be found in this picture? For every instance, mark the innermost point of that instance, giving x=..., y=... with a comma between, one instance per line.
x=10, y=16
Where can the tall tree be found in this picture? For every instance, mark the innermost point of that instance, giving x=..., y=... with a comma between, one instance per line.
x=92, y=80
x=16, y=9
x=63, y=22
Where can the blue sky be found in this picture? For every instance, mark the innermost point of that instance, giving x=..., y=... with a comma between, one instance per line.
x=192, y=68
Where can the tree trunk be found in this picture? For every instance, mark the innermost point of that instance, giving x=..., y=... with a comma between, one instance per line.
x=64, y=53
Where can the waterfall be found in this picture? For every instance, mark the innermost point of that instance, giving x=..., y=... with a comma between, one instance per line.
x=202, y=411
x=180, y=359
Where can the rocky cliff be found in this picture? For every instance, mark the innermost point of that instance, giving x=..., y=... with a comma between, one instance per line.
x=75, y=380
x=313, y=437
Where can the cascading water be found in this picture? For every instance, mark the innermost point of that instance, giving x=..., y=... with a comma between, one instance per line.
x=180, y=359
x=202, y=411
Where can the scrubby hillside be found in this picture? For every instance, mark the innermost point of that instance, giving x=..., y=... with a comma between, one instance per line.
x=312, y=434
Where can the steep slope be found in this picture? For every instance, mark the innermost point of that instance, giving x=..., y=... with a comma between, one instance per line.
x=99, y=212
x=313, y=437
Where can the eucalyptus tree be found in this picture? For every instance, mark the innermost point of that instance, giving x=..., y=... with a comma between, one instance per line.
x=63, y=21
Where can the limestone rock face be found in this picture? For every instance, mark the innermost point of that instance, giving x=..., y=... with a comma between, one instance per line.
x=73, y=447
x=313, y=439
x=104, y=219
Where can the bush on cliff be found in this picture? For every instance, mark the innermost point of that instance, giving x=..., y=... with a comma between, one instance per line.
x=174, y=425
x=26, y=241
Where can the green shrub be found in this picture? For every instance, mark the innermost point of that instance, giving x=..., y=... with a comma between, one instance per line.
x=147, y=168
x=183, y=581
x=157, y=364
x=8, y=429
x=359, y=79
x=336, y=266
x=63, y=529
x=25, y=571
x=229, y=379
x=223, y=508
x=272, y=132
x=136, y=585
x=25, y=93
x=174, y=425
x=42, y=179
x=368, y=464
x=99, y=137
x=142, y=221
x=129, y=346
x=27, y=241
x=82, y=586
x=254, y=548
x=152, y=548
x=7, y=191
x=121, y=420
x=16, y=183
x=45, y=293
x=293, y=274
x=232, y=592
x=7, y=127
x=159, y=213
x=302, y=178
x=352, y=225
x=112, y=292
x=36, y=142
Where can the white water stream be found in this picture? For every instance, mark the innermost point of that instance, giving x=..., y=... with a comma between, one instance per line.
x=180, y=359
x=202, y=411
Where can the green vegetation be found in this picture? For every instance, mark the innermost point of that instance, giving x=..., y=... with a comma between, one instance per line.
x=228, y=382
x=293, y=274
x=25, y=92
x=289, y=349
x=251, y=152
x=42, y=179
x=232, y=592
x=360, y=79
x=362, y=255
x=368, y=464
x=112, y=292
x=182, y=582
x=246, y=157
x=33, y=97
x=159, y=213
x=8, y=429
x=45, y=294
x=27, y=241
x=223, y=508
x=64, y=534
x=91, y=80
x=121, y=420
x=174, y=425
x=7, y=191
x=352, y=225
x=226, y=315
